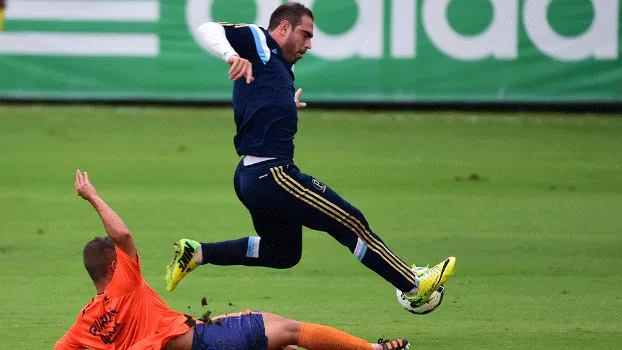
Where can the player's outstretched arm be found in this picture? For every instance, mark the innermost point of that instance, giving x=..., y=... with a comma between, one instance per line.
x=114, y=226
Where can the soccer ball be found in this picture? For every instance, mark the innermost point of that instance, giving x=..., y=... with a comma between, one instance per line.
x=435, y=300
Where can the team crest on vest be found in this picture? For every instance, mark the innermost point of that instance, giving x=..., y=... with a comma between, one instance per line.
x=319, y=186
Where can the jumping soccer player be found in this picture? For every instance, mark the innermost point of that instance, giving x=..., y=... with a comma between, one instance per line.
x=127, y=314
x=280, y=198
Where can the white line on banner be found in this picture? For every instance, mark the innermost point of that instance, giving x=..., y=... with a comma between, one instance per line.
x=79, y=44
x=81, y=10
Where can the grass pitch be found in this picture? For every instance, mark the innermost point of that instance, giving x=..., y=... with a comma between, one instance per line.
x=530, y=204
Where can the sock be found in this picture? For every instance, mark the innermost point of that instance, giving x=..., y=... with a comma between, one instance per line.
x=319, y=337
x=386, y=265
x=198, y=255
x=226, y=253
x=252, y=251
x=413, y=292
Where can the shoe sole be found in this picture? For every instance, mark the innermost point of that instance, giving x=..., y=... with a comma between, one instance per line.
x=171, y=267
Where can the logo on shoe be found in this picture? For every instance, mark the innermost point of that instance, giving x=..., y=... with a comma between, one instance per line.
x=186, y=256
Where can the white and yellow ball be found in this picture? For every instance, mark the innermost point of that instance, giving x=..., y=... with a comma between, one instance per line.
x=435, y=301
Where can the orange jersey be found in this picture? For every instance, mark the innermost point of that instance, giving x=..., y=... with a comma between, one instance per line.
x=128, y=315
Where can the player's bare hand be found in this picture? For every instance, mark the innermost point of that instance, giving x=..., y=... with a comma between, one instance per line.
x=297, y=99
x=84, y=188
x=240, y=67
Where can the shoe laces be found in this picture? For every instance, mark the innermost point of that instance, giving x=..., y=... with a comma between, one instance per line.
x=425, y=272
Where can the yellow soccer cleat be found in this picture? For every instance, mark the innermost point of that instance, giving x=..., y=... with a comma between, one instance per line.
x=183, y=262
x=430, y=279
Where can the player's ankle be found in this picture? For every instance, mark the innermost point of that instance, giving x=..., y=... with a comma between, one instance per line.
x=198, y=255
x=412, y=292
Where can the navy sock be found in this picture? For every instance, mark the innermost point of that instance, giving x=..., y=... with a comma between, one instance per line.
x=225, y=253
x=252, y=251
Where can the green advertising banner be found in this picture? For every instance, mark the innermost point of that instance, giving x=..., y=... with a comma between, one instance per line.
x=363, y=50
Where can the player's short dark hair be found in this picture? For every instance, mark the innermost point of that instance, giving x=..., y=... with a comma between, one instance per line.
x=98, y=254
x=292, y=12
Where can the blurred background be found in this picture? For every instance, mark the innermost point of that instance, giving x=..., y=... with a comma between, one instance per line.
x=372, y=51
x=467, y=128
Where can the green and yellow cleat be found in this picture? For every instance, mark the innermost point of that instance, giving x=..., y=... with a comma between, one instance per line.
x=430, y=279
x=183, y=262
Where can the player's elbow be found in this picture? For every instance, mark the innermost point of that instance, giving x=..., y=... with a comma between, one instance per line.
x=124, y=235
x=59, y=345
x=120, y=237
x=65, y=343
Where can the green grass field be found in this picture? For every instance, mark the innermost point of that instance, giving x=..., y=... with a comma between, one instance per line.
x=538, y=234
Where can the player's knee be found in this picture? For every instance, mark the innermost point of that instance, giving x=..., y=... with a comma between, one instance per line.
x=281, y=331
x=292, y=330
x=289, y=260
x=282, y=255
x=359, y=215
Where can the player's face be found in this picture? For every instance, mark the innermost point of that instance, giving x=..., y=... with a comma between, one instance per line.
x=299, y=40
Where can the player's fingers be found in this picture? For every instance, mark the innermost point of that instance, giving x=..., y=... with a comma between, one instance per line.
x=249, y=73
x=79, y=177
x=302, y=104
x=297, y=94
x=242, y=74
x=243, y=69
x=235, y=66
x=237, y=73
x=235, y=61
x=231, y=72
x=86, y=176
